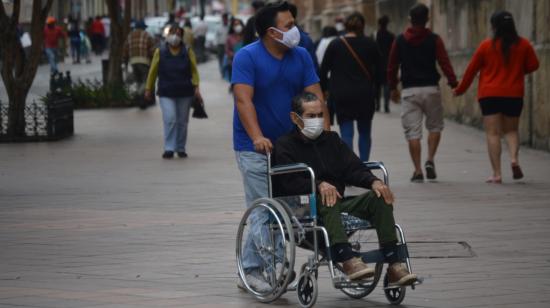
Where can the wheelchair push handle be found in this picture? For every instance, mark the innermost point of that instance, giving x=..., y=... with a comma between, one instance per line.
x=286, y=169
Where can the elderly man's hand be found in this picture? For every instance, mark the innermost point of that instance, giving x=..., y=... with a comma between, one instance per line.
x=329, y=194
x=382, y=190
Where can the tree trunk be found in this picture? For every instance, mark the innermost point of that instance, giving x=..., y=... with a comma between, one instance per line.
x=120, y=27
x=18, y=73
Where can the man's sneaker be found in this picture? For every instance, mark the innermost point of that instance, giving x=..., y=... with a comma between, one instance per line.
x=182, y=155
x=168, y=154
x=255, y=282
x=417, y=178
x=356, y=269
x=292, y=274
x=430, y=170
x=400, y=276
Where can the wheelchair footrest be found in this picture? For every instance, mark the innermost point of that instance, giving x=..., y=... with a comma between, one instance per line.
x=376, y=256
x=344, y=283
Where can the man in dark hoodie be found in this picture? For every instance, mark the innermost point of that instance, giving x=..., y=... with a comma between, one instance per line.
x=415, y=52
x=336, y=166
x=249, y=31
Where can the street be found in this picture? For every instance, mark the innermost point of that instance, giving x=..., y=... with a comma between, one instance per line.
x=100, y=220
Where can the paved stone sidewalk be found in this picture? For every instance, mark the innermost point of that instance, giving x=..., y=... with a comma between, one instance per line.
x=100, y=220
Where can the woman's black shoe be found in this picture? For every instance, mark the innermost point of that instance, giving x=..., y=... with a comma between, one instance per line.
x=168, y=155
x=182, y=155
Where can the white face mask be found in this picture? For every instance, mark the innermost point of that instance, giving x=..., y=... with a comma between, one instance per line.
x=312, y=127
x=173, y=39
x=238, y=29
x=291, y=38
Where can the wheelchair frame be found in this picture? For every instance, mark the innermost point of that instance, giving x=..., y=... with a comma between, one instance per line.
x=293, y=231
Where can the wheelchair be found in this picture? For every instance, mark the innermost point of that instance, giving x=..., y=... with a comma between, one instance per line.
x=292, y=221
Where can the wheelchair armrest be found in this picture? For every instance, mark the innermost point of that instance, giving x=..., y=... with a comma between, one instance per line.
x=290, y=168
x=378, y=165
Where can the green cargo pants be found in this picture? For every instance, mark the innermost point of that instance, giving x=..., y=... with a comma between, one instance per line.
x=366, y=206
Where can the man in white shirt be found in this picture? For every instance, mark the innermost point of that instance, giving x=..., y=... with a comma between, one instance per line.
x=221, y=37
x=200, y=38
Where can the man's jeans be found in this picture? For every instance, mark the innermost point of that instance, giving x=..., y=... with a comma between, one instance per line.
x=51, y=55
x=253, y=167
x=175, y=117
x=364, y=127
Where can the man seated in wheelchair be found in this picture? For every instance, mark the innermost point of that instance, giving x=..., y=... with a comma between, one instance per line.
x=336, y=166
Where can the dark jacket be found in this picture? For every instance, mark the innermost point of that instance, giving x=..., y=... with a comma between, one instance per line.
x=349, y=88
x=328, y=156
x=416, y=52
x=175, y=74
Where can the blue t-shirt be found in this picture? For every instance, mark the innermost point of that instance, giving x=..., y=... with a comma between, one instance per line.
x=275, y=83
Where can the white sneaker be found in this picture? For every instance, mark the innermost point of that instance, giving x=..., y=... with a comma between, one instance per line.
x=255, y=282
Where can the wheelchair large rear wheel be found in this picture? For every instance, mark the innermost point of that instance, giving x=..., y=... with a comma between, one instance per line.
x=271, y=243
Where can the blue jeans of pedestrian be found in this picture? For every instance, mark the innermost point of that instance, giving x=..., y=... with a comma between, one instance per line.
x=51, y=55
x=175, y=118
x=253, y=167
x=364, y=128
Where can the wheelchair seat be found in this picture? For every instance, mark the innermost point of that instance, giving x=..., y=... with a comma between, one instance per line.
x=352, y=223
x=299, y=207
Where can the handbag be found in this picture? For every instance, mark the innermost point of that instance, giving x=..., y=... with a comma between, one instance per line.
x=198, y=108
x=357, y=59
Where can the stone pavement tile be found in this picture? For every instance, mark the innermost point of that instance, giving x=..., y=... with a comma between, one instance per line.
x=45, y=302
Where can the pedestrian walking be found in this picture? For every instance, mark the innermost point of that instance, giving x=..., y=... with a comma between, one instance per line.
x=249, y=33
x=97, y=35
x=305, y=40
x=384, y=40
x=188, y=37
x=85, y=46
x=502, y=62
x=138, y=52
x=350, y=68
x=221, y=38
x=75, y=40
x=106, y=21
x=175, y=66
x=329, y=34
x=415, y=52
x=233, y=43
x=267, y=74
x=199, y=32
x=52, y=35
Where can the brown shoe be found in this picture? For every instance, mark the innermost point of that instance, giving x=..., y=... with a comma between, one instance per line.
x=399, y=275
x=356, y=269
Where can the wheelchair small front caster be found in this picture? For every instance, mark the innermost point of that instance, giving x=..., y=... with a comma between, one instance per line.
x=307, y=290
x=395, y=295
